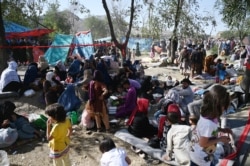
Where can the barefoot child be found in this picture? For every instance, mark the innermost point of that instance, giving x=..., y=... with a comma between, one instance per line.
x=58, y=133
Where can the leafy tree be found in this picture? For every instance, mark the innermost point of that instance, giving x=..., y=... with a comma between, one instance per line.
x=236, y=15
x=98, y=26
x=24, y=12
x=118, y=15
x=121, y=46
x=154, y=26
x=184, y=18
x=59, y=21
x=228, y=34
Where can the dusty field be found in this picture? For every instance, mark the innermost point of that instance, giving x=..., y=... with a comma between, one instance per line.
x=84, y=146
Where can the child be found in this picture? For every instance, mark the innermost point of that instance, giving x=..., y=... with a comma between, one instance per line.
x=178, y=137
x=58, y=134
x=203, y=143
x=222, y=74
x=112, y=155
x=69, y=79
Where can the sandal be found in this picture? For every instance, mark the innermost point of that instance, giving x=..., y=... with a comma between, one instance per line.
x=99, y=130
x=108, y=131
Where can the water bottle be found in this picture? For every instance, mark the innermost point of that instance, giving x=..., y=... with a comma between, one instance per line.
x=223, y=119
x=4, y=161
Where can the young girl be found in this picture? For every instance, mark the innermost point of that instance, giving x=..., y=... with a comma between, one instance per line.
x=58, y=134
x=112, y=155
x=203, y=143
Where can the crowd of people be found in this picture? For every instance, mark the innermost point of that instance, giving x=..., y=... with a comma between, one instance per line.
x=183, y=133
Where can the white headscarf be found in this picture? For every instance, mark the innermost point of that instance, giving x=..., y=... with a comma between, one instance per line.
x=9, y=75
x=49, y=77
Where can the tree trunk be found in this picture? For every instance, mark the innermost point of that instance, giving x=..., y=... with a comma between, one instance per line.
x=121, y=46
x=174, y=40
x=3, y=55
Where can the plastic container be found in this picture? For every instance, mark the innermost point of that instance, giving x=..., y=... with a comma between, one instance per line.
x=223, y=119
x=74, y=117
x=4, y=160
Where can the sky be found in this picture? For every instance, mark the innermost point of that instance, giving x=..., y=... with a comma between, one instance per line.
x=96, y=8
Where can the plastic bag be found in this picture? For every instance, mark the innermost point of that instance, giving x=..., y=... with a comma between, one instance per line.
x=29, y=93
x=86, y=120
x=7, y=137
x=4, y=161
x=69, y=99
x=41, y=122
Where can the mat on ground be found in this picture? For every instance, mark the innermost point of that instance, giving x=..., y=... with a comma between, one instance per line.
x=124, y=135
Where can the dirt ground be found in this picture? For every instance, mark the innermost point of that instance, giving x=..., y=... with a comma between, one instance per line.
x=84, y=146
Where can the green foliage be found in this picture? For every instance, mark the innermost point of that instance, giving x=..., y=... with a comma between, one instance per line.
x=228, y=34
x=184, y=17
x=59, y=21
x=214, y=49
x=98, y=26
x=24, y=12
x=236, y=15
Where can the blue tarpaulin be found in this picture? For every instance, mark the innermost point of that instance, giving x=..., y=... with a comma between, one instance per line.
x=13, y=27
x=144, y=43
x=81, y=44
x=80, y=40
x=59, y=49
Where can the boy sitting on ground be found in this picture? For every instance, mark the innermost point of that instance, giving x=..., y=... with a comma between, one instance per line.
x=178, y=137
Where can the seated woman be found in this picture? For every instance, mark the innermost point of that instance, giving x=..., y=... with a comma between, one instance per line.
x=8, y=135
x=10, y=80
x=52, y=88
x=31, y=75
x=129, y=101
x=24, y=129
x=43, y=66
x=138, y=123
x=60, y=67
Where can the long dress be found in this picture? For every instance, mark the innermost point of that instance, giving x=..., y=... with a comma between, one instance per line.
x=96, y=105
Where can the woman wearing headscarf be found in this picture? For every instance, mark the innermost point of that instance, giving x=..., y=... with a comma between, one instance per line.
x=96, y=105
x=82, y=87
x=130, y=100
x=43, y=66
x=138, y=123
x=52, y=88
x=61, y=70
x=10, y=81
x=31, y=74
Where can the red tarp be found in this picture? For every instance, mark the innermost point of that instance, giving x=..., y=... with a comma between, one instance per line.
x=31, y=33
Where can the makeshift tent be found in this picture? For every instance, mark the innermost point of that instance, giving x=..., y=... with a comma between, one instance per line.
x=83, y=44
x=13, y=30
x=64, y=45
x=30, y=33
x=107, y=39
x=59, y=49
x=144, y=43
x=13, y=27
